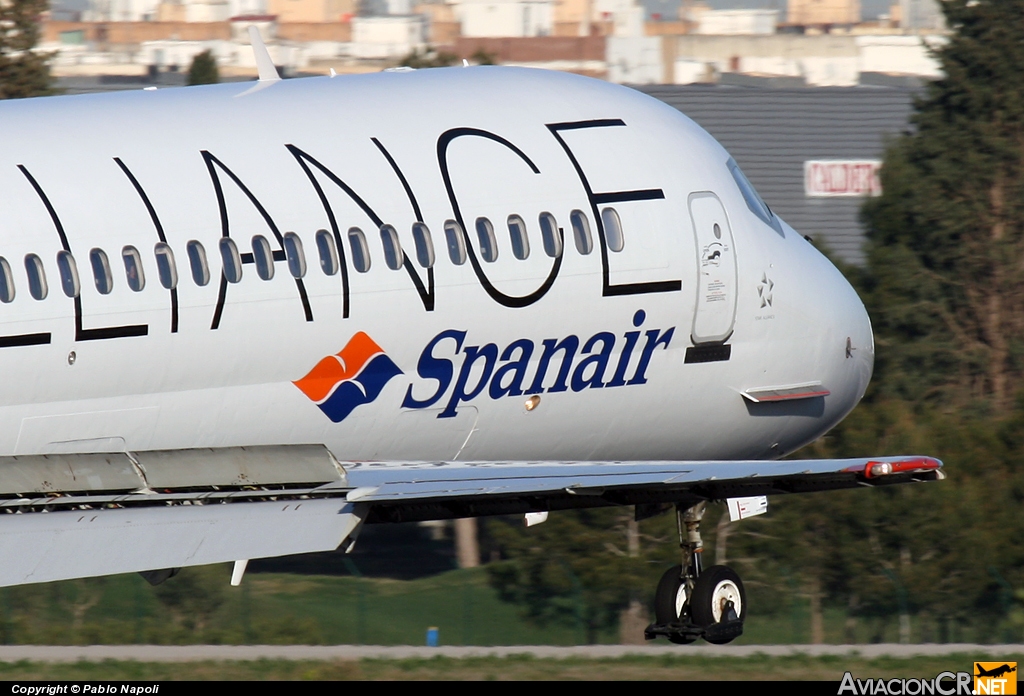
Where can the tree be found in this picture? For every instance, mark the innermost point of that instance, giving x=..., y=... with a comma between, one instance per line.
x=945, y=289
x=428, y=58
x=482, y=57
x=946, y=238
x=581, y=568
x=194, y=596
x=23, y=72
x=204, y=69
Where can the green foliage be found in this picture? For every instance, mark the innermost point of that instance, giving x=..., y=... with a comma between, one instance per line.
x=945, y=289
x=23, y=72
x=429, y=58
x=682, y=665
x=482, y=57
x=193, y=596
x=573, y=570
x=198, y=606
x=203, y=70
x=946, y=238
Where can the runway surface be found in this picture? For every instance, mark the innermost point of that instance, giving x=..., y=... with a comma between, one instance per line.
x=192, y=653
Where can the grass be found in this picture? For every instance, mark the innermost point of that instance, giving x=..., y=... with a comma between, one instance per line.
x=515, y=667
x=199, y=606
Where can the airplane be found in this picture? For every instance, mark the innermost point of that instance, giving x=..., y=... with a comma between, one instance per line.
x=243, y=321
x=995, y=671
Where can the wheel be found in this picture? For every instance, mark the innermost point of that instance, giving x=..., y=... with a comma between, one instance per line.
x=670, y=601
x=716, y=586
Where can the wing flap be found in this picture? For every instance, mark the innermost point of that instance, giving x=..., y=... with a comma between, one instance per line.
x=87, y=543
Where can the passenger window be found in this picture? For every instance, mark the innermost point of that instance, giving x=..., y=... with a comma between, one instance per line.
x=550, y=235
x=488, y=244
x=133, y=268
x=101, y=271
x=612, y=229
x=517, y=232
x=456, y=241
x=263, y=255
x=68, y=270
x=392, y=247
x=328, y=252
x=296, y=257
x=424, y=244
x=232, y=260
x=6, y=282
x=360, y=250
x=581, y=232
x=165, y=266
x=36, y=277
x=197, y=260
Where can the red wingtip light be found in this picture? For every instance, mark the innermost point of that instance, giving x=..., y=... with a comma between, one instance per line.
x=875, y=469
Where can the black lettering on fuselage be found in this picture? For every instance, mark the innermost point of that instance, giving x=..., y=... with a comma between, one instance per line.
x=442, y=160
x=607, y=288
x=305, y=160
x=159, y=233
x=599, y=366
x=225, y=226
x=81, y=333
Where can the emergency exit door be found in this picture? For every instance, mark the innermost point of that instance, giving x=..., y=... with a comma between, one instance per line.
x=715, y=309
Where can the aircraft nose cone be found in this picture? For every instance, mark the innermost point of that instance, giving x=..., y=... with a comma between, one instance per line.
x=836, y=344
x=850, y=346
x=859, y=352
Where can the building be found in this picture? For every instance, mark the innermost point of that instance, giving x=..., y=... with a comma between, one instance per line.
x=509, y=18
x=774, y=134
x=170, y=10
x=733, y=22
x=379, y=38
x=301, y=11
x=193, y=11
x=921, y=15
x=824, y=12
x=821, y=60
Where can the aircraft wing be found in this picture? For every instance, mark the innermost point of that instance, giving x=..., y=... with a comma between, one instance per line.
x=400, y=492
x=82, y=515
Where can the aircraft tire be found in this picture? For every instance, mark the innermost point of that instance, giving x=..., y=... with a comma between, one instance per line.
x=714, y=586
x=670, y=601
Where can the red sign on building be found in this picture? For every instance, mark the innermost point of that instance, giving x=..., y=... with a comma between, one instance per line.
x=823, y=178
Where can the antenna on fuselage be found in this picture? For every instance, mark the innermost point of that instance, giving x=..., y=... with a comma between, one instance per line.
x=264, y=64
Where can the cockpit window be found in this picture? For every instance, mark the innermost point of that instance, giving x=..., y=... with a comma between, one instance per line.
x=756, y=204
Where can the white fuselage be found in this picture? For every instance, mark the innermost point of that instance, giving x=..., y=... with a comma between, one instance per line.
x=313, y=154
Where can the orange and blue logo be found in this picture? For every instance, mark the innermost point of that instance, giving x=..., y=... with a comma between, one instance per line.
x=355, y=376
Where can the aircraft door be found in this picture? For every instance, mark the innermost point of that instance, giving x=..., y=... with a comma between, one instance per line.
x=715, y=310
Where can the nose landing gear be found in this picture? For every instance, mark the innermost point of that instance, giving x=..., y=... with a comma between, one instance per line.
x=692, y=602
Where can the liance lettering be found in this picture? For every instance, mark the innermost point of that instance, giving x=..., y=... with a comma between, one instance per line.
x=522, y=367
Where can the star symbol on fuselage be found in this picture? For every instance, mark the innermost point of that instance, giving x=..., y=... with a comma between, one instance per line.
x=764, y=290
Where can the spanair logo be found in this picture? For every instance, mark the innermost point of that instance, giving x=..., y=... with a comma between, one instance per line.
x=454, y=369
x=355, y=376
x=995, y=677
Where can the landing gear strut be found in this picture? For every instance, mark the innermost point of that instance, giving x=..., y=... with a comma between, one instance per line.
x=692, y=602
